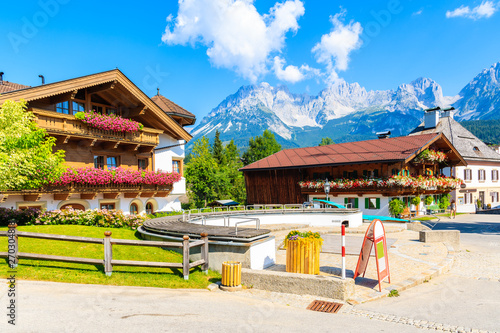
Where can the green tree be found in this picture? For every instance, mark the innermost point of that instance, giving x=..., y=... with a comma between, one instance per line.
x=326, y=141
x=260, y=147
x=218, y=149
x=236, y=189
x=27, y=160
x=201, y=173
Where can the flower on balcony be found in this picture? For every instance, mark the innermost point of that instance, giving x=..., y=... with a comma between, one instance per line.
x=415, y=183
x=430, y=156
x=93, y=176
x=110, y=122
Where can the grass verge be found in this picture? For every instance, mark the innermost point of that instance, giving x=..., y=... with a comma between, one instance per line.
x=42, y=270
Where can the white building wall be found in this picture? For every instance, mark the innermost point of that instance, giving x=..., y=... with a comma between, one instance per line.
x=163, y=161
x=121, y=203
x=384, y=203
x=487, y=186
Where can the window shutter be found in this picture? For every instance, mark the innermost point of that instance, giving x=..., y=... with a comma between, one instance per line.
x=378, y=203
x=346, y=201
x=356, y=203
x=367, y=203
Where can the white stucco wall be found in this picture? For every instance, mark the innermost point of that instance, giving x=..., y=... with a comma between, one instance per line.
x=163, y=160
x=487, y=186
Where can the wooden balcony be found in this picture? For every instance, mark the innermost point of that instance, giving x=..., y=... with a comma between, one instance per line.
x=58, y=124
x=371, y=190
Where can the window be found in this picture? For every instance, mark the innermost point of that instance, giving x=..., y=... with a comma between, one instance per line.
x=481, y=175
x=112, y=162
x=108, y=206
x=142, y=163
x=467, y=198
x=73, y=206
x=372, y=203
x=494, y=175
x=395, y=172
x=149, y=208
x=351, y=202
x=460, y=200
x=176, y=166
x=77, y=107
x=110, y=111
x=134, y=209
x=63, y=107
x=494, y=196
x=467, y=174
x=99, y=162
x=97, y=109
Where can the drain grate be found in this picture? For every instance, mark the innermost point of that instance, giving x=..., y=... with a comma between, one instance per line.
x=322, y=306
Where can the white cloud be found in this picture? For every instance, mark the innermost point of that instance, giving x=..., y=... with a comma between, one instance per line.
x=292, y=74
x=485, y=10
x=335, y=47
x=237, y=36
x=418, y=12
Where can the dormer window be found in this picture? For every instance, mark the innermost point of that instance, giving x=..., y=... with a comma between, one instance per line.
x=476, y=149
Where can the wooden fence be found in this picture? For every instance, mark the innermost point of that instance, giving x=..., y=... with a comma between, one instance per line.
x=13, y=255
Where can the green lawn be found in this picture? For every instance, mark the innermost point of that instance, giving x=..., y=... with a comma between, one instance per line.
x=94, y=274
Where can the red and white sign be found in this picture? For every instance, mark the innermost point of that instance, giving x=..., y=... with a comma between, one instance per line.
x=375, y=235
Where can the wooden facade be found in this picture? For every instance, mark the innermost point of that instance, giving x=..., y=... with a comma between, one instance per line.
x=277, y=185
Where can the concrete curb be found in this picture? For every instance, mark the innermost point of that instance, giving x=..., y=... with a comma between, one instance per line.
x=443, y=267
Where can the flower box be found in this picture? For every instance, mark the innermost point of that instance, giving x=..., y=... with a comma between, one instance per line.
x=302, y=252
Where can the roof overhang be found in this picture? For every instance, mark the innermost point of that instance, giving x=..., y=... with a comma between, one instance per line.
x=439, y=136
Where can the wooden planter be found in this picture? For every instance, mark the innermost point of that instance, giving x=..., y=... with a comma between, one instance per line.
x=303, y=256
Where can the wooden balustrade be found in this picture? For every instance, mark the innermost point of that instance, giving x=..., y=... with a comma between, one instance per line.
x=57, y=123
x=13, y=255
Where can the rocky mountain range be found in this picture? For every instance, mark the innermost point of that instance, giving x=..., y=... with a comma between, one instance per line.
x=344, y=111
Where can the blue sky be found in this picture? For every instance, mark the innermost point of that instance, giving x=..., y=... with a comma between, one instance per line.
x=200, y=51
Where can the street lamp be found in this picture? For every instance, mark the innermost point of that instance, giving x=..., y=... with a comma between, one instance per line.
x=327, y=188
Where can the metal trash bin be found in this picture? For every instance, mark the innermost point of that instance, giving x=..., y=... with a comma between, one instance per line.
x=231, y=276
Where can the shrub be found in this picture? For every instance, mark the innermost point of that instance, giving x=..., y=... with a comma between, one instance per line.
x=429, y=200
x=444, y=202
x=162, y=214
x=96, y=218
x=396, y=207
x=21, y=217
x=415, y=201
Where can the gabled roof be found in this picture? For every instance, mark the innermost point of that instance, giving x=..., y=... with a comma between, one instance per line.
x=61, y=87
x=399, y=149
x=170, y=107
x=6, y=86
x=467, y=144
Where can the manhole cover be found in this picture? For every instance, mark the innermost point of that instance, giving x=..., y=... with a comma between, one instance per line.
x=322, y=306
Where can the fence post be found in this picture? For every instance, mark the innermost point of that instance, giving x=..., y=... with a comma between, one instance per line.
x=13, y=248
x=204, y=252
x=108, y=253
x=185, y=257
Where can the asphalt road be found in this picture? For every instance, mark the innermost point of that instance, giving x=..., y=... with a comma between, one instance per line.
x=468, y=296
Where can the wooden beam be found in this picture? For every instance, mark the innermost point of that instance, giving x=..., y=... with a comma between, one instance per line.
x=132, y=195
x=102, y=87
x=162, y=194
x=4, y=198
x=63, y=97
x=147, y=194
x=88, y=196
x=32, y=197
x=62, y=196
x=138, y=111
x=113, y=195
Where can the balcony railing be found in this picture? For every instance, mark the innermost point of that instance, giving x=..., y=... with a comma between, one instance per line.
x=57, y=123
